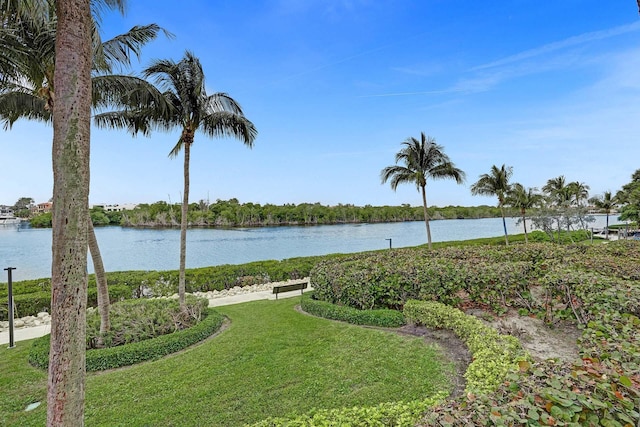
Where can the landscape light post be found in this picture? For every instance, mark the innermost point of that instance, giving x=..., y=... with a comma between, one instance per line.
x=10, y=298
x=389, y=242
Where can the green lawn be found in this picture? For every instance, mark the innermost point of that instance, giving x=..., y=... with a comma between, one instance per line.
x=271, y=361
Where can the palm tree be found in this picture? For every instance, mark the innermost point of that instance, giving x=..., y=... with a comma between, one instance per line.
x=559, y=193
x=495, y=183
x=523, y=198
x=606, y=202
x=558, y=190
x=180, y=101
x=71, y=137
x=421, y=160
x=27, y=83
x=579, y=191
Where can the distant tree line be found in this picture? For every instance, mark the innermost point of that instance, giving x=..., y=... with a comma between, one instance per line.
x=232, y=213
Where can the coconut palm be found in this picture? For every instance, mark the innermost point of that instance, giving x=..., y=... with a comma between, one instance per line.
x=71, y=130
x=523, y=198
x=27, y=79
x=558, y=191
x=495, y=183
x=559, y=194
x=180, y=101
x=421, y=160
x=606, y=202
x=579, y=191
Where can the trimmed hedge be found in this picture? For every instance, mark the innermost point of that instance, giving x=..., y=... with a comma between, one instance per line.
x=383, y=317
x=400, y=414
x=32, y=303
x=130, y=354
x=494, y=355
x=32, y=296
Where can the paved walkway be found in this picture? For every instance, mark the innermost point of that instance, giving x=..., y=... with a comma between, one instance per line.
x=38, y=331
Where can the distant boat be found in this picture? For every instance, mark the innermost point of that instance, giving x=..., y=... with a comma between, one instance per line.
x=8, y=218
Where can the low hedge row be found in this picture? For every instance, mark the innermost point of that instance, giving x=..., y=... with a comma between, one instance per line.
x=33, y=303
x=494, y=355
x=383, y=317
x=32, y=296
x=399, y=414
x=130, y=354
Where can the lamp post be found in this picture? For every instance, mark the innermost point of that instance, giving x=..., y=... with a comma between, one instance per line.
x=10, y=298
x=389, y=242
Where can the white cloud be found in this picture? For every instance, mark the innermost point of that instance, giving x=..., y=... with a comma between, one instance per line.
x=562, y=44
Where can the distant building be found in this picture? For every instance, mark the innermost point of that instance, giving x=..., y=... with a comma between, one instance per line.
x=116, y=207
x=45, y=207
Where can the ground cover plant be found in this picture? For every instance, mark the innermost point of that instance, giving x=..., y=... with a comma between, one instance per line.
x=271, y=361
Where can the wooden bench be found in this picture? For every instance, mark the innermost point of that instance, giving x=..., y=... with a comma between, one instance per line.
x=302, y=285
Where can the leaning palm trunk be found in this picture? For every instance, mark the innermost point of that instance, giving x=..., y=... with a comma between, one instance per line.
x=101, y=281
x=504, y=224
x=426, y=215
x=183, y=226
x=524, y=223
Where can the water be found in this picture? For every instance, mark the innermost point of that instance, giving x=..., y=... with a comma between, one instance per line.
x=29, y=249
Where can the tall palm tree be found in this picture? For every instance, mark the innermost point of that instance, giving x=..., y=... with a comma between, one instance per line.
x=421, y=160
x=27, y=85
x=495, y=183
x=523, y=198
x=180, y=101
x=71, y=137
x=606, y=202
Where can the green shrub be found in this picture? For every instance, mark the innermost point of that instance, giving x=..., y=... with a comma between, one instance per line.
x=142, y=319
x=382, y=317
x=598, y=286
x=494, y=355
x=400, y=414
x=32, y=303
x=499, y=277
x=130, y=354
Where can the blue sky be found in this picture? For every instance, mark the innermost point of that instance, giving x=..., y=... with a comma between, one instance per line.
x=334, y=86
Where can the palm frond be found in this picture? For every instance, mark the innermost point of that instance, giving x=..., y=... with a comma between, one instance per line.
x=223, y=102
x=448, y=170
x=16, y=105
x=227, y=124
x=175, y=151
x=133, y=122
x=118, y=51
x=124, y=91
x=397, y=175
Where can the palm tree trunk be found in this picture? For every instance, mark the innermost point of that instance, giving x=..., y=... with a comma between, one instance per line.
x=606, y=230
x=70, y=156
x=426, y=215
x=504, y=224
x=101, y=281
x=524, y=223
x=183, y=226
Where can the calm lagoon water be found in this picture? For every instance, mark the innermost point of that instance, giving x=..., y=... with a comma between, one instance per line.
x=29, y=249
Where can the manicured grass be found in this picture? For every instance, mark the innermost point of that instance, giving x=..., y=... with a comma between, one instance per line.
x=271, y=361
